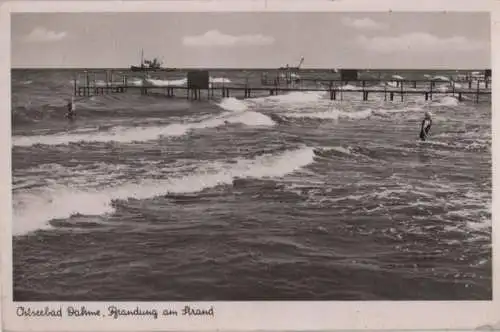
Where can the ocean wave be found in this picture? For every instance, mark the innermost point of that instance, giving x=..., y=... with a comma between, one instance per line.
x=467, y=212
x=407, y=113
x=233, y=104
x=446, y=101
x=289, y=101
x=73, y=174
x=291, y=98
x=389, y=112
x=52, y=173
x=441, y=78
x=249, y=118
x=338, y=151
x=124, y=134
x=472, y=145
x=330, y=114
x=34, y=208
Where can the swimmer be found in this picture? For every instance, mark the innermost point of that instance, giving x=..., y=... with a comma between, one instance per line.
x=426, y=126
x=71, y=109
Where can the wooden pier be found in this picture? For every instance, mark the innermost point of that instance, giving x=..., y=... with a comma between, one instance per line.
x=335, y=88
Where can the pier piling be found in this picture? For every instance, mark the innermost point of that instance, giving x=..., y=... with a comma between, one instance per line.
x=477, y=92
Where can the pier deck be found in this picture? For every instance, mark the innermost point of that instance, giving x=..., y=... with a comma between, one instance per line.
x=336, y=89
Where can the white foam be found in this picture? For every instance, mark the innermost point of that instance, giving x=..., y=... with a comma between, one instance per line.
x=340, y=149
x=116, y=134
x=100, y=83
x=348, y=87
x=219, y=80
x=157, y=82
x=233, y=104
x=357, y=115
x=139, y=134
x=165, y=83
x=135, y=81
x=333, y=115
x=385, y=112
x=330, y=114
x=446, y=101
x=292, y=97
x=250, y=118
x=33, y=209
x=86, y=129
x=441, y=78
x=443, y=88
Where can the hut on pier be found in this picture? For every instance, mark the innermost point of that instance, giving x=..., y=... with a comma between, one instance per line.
x=349, y=75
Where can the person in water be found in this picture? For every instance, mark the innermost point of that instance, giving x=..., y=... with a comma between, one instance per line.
x=426, y=126
x=71, y=110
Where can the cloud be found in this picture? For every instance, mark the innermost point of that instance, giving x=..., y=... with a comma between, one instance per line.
x=420, y=42
x=217, y=38
x=363, y=24
x=42, y=35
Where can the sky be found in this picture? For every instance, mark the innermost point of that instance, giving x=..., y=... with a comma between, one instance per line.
x=252, y=40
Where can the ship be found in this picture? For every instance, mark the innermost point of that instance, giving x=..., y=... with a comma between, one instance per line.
x=297, y=68
x=289, y=73
x=150, y=65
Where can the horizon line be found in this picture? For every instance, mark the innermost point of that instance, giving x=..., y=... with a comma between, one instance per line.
x=252, y=68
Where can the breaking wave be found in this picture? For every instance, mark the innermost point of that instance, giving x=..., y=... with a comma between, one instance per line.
x=34, y=208
x=124, y=134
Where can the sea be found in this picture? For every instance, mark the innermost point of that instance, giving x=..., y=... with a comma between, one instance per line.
x=291, y=196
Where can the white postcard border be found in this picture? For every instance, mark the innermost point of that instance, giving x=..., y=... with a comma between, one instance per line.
x=247, y=315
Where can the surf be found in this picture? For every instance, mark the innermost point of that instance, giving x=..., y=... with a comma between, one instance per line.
x=33, y=209
x=125, y=134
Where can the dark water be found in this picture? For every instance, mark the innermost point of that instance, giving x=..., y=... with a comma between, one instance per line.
x=291, y=197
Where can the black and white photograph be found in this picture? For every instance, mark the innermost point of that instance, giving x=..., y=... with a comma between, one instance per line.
x=251, y=156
